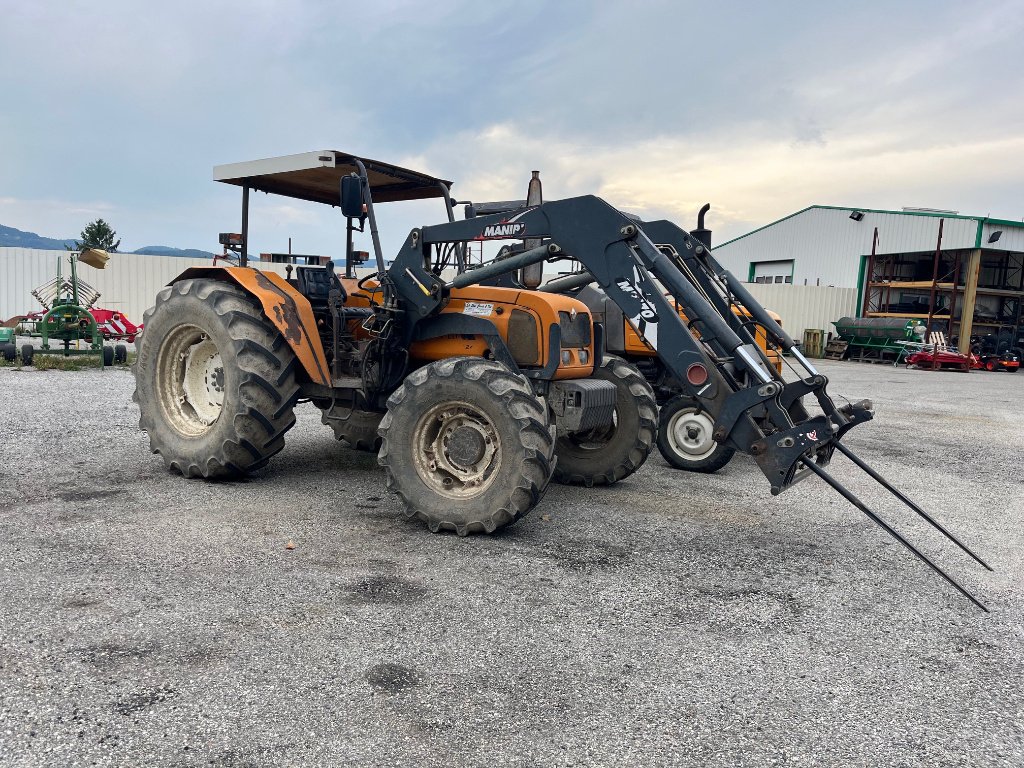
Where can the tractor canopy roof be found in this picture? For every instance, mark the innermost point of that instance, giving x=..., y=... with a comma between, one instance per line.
x=315, y=176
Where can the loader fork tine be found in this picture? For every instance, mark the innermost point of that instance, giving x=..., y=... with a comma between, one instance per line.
x=890, y=530
x=885, y=484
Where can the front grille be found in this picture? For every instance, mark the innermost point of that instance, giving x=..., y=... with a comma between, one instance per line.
x=522, y=338
x=575, y=330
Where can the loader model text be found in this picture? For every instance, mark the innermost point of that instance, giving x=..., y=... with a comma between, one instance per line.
x=647, y=312
x=498, y=231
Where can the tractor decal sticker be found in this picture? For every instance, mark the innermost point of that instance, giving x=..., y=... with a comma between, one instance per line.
x=477, y=309
x=813, y=435
x=644, y=318
x=501, y=231
x=508, y=228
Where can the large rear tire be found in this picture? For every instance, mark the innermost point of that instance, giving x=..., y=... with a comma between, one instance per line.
x=467, y=445
x=356, y=427
x=214, y=380
x=606, y=455
x=684, y=437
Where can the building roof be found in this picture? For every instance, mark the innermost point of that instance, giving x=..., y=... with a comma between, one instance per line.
x=933, y=214
x=316, y=176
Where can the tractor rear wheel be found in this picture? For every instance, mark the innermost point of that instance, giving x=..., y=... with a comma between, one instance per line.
x=684, y=437
x=467, y=445
x=356, y=427
x=214, y=380
x=605, y=455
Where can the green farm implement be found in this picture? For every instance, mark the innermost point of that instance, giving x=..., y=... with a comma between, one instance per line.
x=65, y=326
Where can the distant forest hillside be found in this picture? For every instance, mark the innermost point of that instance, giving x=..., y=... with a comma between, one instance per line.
x=16, y=238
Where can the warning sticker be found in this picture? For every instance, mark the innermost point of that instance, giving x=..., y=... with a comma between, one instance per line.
x=477, y=308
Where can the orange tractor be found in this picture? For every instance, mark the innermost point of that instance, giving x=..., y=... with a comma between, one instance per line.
x=479, y=394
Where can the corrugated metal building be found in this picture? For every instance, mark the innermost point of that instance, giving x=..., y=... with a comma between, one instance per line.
x=979, y=262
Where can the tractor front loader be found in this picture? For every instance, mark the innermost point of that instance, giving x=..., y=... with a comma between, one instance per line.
x=475, y=382
x=719, y=347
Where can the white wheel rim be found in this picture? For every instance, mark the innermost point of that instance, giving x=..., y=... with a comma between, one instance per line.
x=203, y=380
x=690, y=434
x=457, y=450
x=190, y=380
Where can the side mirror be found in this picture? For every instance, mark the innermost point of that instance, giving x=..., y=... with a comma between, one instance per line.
x=352, y=196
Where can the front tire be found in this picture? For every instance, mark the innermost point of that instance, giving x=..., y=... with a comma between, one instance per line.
x=466, y=445
x=684, y=437
x=605, y=455
x=214, y=380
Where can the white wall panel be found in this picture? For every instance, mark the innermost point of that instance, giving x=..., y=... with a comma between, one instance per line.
x=806, y=306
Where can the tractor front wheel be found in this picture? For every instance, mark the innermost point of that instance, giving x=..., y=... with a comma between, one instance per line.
x=214, y=380
x=605, y=455
x=10, y=352
x=28, y=353
x=466, y=445
x=120, y=354
x=684, y=437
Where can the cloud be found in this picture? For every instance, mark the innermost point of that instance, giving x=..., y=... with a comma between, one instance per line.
x=659, y=106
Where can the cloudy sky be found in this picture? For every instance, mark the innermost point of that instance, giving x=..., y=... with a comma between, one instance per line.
x=121, y=109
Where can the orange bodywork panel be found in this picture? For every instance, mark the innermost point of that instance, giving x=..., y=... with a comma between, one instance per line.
x=286, y=308
x=637, y=346
x=495, y=304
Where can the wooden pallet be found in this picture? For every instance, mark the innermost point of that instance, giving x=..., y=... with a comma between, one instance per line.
x=835, y=349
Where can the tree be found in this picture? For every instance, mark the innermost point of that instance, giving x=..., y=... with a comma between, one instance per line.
x=100, y=235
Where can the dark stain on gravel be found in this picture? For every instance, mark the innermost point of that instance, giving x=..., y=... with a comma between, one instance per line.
x=111, y=655
x=433, y=727
x=81, y=602
x=751, y=607
x=144, y=699
x=87, y=495
x=393, y=678
x=578, y=554
x=387, y=590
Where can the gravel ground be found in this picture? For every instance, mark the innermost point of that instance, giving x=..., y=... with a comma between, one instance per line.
x=674, y=619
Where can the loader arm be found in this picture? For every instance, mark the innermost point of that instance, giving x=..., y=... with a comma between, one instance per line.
x=722, y=368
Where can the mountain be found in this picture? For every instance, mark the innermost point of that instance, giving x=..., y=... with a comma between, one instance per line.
x=16, y=238
x=163, y=250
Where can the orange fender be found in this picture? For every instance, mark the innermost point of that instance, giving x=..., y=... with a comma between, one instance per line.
x=284, y=306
